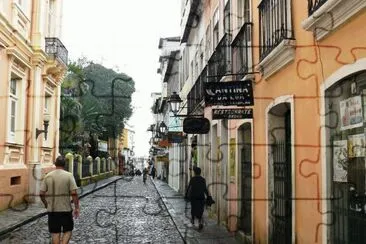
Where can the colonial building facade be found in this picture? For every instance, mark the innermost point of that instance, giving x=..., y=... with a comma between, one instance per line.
x=33, y=61
x=288, y=167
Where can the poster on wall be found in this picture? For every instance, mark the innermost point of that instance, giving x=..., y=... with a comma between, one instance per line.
x=340, y=161
x=351, y=113
x=356, y=146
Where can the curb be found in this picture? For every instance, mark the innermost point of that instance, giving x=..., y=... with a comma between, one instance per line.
x=175, y=224
x=82, y=195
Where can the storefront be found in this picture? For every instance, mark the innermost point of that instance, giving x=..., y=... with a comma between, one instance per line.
x=345, y=117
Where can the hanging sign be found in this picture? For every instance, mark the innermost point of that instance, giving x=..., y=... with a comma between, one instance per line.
x=245, y=113
x=175, y=137
x=229, y=93
x=196, y=125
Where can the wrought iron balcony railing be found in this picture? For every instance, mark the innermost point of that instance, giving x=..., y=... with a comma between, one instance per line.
x=219, y=63
x=56, y=49
x=196, y=94
x=275, y=24
x=242, y=51
x=313, y=5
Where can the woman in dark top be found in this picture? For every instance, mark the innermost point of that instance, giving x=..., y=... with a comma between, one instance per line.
x=196, y=192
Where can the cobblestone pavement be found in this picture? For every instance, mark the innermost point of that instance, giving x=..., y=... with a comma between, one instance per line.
x=127, y=211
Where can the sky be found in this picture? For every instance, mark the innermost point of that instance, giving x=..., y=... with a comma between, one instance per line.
x=124, y=35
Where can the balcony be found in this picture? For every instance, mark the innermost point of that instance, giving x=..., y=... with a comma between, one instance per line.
x=196, y=94
x=219, y=63
x=56, y=50
x=275, y=25
x=314, y=5
x=242, y=51
x=322, y=24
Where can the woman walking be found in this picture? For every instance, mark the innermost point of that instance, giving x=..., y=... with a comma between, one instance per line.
x=196, y=192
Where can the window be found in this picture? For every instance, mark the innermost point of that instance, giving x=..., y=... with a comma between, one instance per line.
x=313, y=5
x=275, y=24
x=51, y=18
x=185, y=64
x=12, y=117
x=13, y=87
x=13, y=107
x=208, y=42
x=47, y=103
x=243, y=12
x=227, y=18
x=201, y=55
x=196, y=60
x=242, y=51
x=216, y=28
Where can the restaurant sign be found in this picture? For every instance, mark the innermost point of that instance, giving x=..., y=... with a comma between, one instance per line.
x=229, y=93
x=245, y=113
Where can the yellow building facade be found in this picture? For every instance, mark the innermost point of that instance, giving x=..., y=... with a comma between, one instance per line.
x=33, y=62
x=294, y=172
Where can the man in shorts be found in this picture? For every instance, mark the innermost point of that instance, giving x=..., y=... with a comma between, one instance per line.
x=56, y=189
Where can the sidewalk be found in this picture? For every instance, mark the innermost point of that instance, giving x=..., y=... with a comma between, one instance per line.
x=13, y=218
x=180, y=211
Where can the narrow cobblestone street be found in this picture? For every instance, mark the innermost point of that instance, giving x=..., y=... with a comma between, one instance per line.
x=126, y=211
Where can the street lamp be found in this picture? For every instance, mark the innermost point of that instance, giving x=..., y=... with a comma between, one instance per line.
x=46, y=121
x=174, y=102
x=163, y=128
x=156, y=139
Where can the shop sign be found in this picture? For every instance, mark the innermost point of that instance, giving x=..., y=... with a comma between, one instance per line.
x=175, y=137
x=229, y=93
x=102, y=146
x=245, y=113
x=196, y=125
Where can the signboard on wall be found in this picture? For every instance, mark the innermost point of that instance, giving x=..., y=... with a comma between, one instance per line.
x=351, y=113
x=245, y=113
x=229, y=93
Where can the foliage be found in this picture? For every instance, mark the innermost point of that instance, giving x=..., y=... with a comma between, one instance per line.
x=95, y=100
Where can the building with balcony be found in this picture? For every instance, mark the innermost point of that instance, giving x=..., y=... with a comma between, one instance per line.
x=33, y=63
x=291, y=167
x=169, y=70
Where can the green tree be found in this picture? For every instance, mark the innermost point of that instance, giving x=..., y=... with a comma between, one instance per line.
x=95, y=100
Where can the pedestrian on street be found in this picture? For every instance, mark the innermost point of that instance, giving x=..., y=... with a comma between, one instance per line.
x=195, y=193
x=145, y=172
x=153, y=171
x=57, y=189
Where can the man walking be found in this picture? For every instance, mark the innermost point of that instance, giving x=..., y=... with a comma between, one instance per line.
x=56, y=189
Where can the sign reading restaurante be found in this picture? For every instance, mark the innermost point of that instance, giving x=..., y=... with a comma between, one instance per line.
x=229, y=93
x=245, y=113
